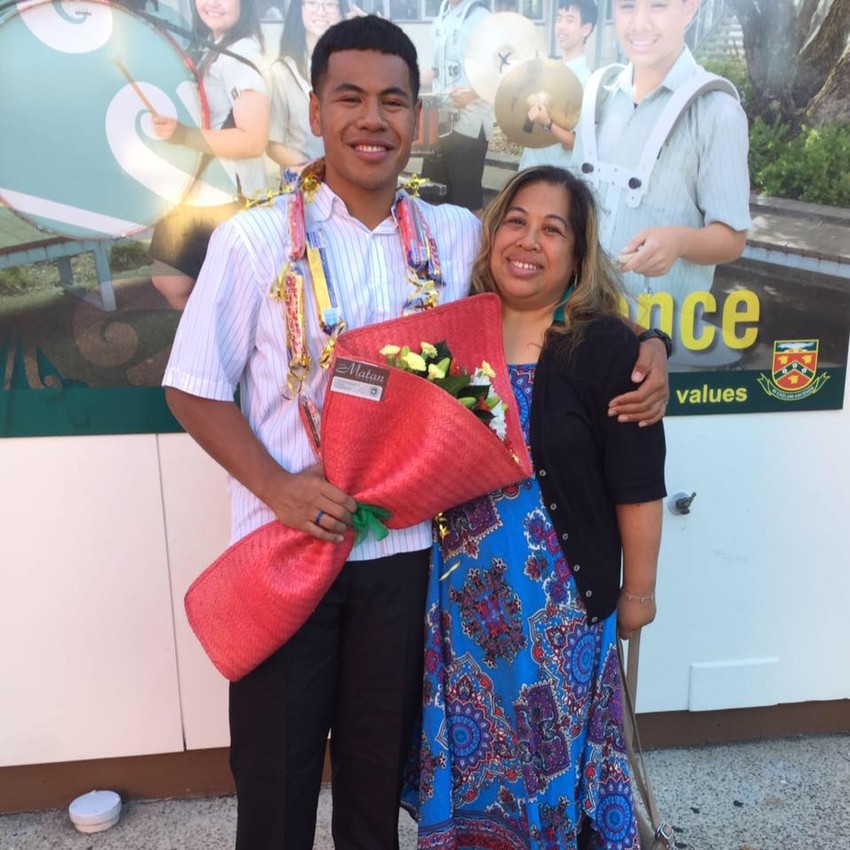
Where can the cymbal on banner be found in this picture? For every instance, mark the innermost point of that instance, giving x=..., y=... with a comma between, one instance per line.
x=547, y=82
x=496, y=46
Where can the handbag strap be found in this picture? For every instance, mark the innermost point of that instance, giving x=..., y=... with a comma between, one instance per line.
x=629, y=673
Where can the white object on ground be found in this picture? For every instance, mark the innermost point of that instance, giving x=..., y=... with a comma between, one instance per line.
x=95, y=811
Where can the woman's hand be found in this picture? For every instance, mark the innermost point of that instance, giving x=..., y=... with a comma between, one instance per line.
x=634, y=612
x=163, y=126
x=640, y=535
x=247, y=139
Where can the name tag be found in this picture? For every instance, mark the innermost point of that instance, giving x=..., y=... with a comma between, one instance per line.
x=351, y=377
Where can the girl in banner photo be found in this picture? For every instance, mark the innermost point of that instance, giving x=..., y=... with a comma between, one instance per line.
x=290, y=140
x=522, y=744
x=232, y=74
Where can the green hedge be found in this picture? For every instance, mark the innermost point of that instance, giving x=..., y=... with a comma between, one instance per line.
x=812, y=166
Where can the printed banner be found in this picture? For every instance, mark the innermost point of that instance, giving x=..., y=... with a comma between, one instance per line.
x=767, y=338
x=86, y=179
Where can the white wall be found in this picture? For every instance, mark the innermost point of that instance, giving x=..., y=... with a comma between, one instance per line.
x=87, y=647
x=101, y=537
x=754, y=581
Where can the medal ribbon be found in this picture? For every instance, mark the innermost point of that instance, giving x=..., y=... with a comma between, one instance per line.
x=327, y=306
x=289, y=290
x=423, y=262
x=421, y=258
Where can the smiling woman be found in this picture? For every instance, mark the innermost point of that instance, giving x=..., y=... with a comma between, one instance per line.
x=233, y=169
x=533, y=250
x=522, y=740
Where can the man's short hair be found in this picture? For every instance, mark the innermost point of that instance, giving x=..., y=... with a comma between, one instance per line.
x=365, y=32
x=586, y=8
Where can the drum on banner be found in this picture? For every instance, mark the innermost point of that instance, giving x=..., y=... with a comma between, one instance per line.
x=78, y=153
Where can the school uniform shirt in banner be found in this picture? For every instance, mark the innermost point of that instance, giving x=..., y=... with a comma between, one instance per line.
x=452, y=29
x=290, y=120
x=700, y=176
x=556, y=154
x=224, y=81
x=232, y=332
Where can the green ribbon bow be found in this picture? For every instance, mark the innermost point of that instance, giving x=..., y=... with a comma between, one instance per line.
x=369, y=518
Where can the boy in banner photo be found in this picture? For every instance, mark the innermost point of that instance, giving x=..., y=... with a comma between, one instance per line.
x=574, y=22
x=678, y=204
x=237, y=94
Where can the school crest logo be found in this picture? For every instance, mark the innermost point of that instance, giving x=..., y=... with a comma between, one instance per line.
x=794, y=372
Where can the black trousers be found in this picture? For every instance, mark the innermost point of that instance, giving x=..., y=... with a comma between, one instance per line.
x=355, y=668
x=460, y=166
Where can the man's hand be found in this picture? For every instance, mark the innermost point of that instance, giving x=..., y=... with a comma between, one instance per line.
x=647, y=404
x=308, y=502
x=304, y=500
x=652, y=252
x=539, y=114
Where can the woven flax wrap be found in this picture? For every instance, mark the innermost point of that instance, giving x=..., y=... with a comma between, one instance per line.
x=416, y=452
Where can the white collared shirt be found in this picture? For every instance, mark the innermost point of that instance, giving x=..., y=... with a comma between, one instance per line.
x=232, y=332
x=290, y=116
x=225, y=79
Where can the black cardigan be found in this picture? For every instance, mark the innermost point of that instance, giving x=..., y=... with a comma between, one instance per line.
x=586, y=462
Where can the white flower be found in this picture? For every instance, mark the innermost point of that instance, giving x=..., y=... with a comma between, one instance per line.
x=390, y=350
x=497, y=423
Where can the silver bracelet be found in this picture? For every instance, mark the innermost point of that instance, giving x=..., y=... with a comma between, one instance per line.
x=650, y=597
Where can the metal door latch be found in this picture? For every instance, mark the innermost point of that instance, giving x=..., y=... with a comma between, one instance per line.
x=680, y=503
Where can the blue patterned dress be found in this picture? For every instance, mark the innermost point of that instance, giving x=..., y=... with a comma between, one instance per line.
x=522, y=745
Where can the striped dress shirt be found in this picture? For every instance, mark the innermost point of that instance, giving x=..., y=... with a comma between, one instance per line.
x=232, y=332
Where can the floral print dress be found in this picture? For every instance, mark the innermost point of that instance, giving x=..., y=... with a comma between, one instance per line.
x=522, y=739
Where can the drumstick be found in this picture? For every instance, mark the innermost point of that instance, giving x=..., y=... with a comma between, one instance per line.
x=136, y=87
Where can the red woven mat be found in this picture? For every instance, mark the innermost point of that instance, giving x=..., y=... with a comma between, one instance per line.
x=416, y=452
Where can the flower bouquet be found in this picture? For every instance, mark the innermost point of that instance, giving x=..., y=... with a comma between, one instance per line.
x=389, y=439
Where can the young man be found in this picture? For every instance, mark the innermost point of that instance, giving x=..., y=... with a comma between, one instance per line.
x=574, y=23
x=460, y=161
x=355, y=667
x=671, y=211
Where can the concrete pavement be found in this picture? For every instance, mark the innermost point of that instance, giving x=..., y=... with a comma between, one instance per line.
x=787, y=794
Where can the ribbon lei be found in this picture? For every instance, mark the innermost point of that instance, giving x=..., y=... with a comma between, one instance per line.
x=369, y=518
